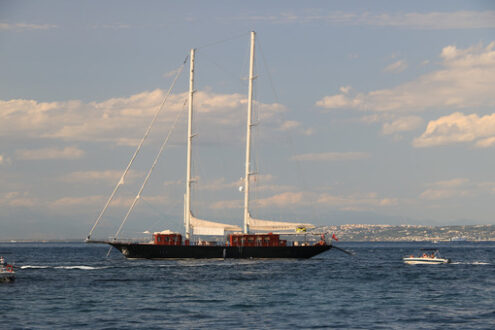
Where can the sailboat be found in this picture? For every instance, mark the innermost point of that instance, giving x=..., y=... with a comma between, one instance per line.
x=257, y=239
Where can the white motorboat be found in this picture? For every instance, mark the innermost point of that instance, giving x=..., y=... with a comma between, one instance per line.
x=426, y=257
x=7, y=273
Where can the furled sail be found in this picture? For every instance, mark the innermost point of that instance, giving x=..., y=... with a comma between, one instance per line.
x=268, y=225
x=205, y=227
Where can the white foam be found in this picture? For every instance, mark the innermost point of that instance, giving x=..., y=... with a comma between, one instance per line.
x=471, y=263
x=80, y=267
x=77, y=267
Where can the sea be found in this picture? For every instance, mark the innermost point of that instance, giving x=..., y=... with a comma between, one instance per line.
x=76, y=286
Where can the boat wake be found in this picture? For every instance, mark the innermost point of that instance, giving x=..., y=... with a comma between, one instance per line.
x=471, y=263
x=79, y=267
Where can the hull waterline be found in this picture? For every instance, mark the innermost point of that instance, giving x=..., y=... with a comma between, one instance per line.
x=153, y=251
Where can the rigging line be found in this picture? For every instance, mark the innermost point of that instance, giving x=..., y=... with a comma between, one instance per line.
x=160, y=213
x=223, y=69
x=268, y=73
x=121, y=181
x=289, y=137
x=224, y=40
x=155, y=209
x=138, y=196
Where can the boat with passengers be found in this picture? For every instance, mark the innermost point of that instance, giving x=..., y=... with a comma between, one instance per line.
x=426, y=256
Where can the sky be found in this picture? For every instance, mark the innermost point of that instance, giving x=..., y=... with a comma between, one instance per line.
x=376, y=112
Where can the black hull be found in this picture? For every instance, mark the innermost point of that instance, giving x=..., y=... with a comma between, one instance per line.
x=152, y=251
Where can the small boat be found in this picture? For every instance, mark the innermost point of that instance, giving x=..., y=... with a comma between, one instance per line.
x=426, y=256
x=7, y=273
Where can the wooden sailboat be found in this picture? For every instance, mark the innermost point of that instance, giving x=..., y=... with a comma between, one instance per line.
x=240, y=243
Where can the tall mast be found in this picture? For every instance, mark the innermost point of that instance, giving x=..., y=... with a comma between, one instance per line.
x=248, y=137
x=187, y=206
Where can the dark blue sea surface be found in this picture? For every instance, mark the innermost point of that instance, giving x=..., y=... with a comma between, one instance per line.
x=74, y=285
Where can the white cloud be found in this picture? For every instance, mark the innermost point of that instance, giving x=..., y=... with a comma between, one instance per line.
x=288, y=200
x=217, y=185
x=94, y=202
x=424, y=21
x=90, y=177
x=289, y=124
x=19, y=27
x=340, y=101
x=121, y=120
x=458, y=187
x=19, y=199
x=459, y=128
x=4, y=160
x=466, y=81
x=345, y=89
x=396, y=67
x=50, y=153
x=229, y=204
x=402, y=124
x=116, y=26
x=357, y=202
x=331, y=156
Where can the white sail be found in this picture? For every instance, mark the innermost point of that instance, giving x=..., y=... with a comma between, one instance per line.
x=205, y=227
x=269, y=225
x=251, y=224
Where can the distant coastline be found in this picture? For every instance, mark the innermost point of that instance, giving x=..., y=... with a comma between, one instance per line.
x=412, y=233
x=370, y=233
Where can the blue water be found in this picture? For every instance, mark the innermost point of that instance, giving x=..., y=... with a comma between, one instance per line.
x=73, y=285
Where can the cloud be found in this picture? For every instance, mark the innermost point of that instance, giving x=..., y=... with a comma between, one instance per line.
x=4, y=160
x=230, y=204
x=19, y=199
x=20, y=27
x=402, y=124
x=116, y=26
x=458, y=187
x=464, y=82
x=331, y=156
x=217, y=185
x=285, y=199
x=50, y=153
x=121, y=120
x=289, y=124
x=396, y=67
x=421, y=21
x=459, y=128
x=109, y=176
x=356, y=202
x=172, y=73
x=340, y=101
x=288, y=200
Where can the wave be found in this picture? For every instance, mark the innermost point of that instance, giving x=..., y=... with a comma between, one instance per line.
x=80, y=267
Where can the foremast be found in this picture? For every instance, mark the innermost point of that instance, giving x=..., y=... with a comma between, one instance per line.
x=248, y=135
x=187, y=202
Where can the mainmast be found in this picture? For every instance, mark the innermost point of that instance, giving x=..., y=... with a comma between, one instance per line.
x=187, y=202
x=248, y=137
